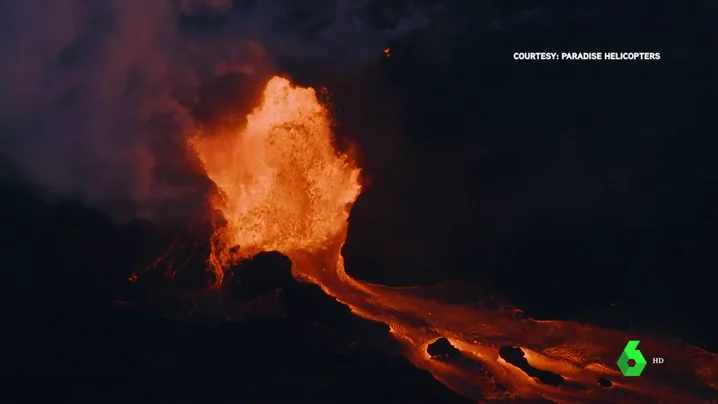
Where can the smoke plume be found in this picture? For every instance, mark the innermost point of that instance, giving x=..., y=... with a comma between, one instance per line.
x=97, y=96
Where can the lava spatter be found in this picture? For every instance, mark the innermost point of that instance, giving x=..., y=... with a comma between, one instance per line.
x=282, y=185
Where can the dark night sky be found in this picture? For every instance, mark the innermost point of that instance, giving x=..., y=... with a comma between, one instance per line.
x=559, y=181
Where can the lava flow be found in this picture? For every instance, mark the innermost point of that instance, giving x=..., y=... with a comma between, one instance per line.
x=284, y=187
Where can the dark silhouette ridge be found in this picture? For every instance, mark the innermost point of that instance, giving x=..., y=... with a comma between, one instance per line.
x=62, y=266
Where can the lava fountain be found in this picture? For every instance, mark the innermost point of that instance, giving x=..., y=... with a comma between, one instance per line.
x=284, y=187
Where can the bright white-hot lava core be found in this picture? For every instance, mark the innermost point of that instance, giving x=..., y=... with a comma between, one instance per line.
x=284, y=187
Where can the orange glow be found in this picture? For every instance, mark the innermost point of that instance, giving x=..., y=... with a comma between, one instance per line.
x=387, y=52
x=284, y=187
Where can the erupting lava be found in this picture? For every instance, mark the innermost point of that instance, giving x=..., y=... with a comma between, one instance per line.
x=284, y=187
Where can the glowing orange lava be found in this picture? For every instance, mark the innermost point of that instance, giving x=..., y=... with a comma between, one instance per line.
x=284, y=187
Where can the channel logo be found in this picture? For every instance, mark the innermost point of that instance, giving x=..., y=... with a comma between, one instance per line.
x=632, y=353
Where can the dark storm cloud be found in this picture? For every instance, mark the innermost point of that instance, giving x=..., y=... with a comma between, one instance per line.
x=85, y=83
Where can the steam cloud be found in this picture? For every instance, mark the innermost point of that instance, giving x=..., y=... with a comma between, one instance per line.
x=96, y=95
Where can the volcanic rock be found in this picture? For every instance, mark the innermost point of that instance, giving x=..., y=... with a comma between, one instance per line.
x=268, y=272
x=442, y=349
x=516, y=357
x=260, y=275
x=605, y=383
x=308, y=303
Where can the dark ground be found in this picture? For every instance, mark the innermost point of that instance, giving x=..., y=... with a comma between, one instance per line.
x=66, y=339
x=579, y=191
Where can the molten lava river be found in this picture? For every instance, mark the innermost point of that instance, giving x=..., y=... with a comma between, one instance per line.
x=284, y=187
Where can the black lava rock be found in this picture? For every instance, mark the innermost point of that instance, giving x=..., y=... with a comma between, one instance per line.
x=442, y=349
x=260, y=275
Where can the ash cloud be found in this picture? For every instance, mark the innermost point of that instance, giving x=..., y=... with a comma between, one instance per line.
x=96, y=97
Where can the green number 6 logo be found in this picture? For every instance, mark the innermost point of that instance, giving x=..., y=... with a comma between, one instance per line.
x=631, y=353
